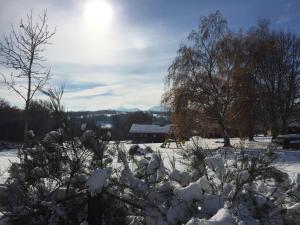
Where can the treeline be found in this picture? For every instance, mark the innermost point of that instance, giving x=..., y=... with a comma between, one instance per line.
x=119, y=124
x=42, y=119
x=245, y=81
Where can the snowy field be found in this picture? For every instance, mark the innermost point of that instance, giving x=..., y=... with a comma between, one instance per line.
x=6, y=157
x=288, y=160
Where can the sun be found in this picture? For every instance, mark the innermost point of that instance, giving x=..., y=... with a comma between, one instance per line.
x=98, y=14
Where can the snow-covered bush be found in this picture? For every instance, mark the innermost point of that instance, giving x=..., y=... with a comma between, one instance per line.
x=224, y=186
x=49, y=184
x=60, y=179
x=63, y=180
x=70, y=182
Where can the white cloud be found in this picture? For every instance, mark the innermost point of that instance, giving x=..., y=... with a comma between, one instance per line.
x=141, y=96
x=130, y=61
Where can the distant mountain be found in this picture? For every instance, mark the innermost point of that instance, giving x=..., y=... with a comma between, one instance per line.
x=153, y=109
x=124, y=109
x=158, y=109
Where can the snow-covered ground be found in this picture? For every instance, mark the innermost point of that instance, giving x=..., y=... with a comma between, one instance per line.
x=6, y=157
x=288, y=160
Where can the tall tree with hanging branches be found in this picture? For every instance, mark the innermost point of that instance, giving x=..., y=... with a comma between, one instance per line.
x=200, y=77
x=21, y=52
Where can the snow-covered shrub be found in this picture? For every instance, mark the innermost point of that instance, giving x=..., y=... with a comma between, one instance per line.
x=253, y=190
x=70, y=182
x=60, y=179
x=224, y=186
x=49, y=185
x=63, y=179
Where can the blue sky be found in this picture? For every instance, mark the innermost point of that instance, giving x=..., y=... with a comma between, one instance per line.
x=116, y=53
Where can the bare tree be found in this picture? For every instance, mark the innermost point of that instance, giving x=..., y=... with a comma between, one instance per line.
x=200, y=77
x=22, y=53
x=246, y=108
x=277, y=72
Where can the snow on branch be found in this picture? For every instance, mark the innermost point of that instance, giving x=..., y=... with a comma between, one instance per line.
x=97, y=180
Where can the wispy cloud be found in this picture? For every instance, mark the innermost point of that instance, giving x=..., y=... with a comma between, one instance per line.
x=121, y=66
x=71, y=86
x=107, y=94
x=283, y=19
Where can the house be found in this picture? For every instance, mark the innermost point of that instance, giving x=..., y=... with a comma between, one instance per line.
x=148, y=133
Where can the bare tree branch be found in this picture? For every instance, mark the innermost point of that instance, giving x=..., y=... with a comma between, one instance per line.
x=21, y=51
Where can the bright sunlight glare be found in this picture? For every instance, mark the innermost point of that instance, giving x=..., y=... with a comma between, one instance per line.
x=98, y=14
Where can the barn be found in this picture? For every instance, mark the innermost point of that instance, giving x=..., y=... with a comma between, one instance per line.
x=148, y=133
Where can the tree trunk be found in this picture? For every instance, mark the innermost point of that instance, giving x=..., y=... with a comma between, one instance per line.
x=26, y=123
x=95, y=210
x=284, y=126
x=28, y=98
x=251, y=132
x=225, y=133
x=251, y=137
x=274, y=128
x=226, y=140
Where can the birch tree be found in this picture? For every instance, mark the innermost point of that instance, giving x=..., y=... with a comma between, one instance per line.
x=200, y=76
